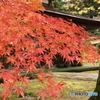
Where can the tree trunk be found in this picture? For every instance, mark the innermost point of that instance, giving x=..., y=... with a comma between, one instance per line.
x=97, y=89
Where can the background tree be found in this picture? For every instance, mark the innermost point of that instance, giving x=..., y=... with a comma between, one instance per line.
x=29, y=37
x=59, y=4
x=87, y=8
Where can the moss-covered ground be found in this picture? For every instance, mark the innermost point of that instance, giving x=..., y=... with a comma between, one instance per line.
x=72, y=85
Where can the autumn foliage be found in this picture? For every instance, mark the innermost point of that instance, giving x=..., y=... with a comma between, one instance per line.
x=29, y=37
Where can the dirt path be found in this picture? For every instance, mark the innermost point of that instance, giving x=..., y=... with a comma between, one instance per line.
x=83, y=76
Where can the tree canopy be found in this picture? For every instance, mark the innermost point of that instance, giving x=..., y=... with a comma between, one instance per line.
x=27, y=37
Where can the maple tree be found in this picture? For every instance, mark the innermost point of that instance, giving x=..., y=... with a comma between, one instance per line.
x=29, y=37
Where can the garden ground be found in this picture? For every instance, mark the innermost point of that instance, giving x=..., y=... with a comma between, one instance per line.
x=75, y=82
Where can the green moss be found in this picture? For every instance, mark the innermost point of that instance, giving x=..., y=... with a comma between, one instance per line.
x=94, y=71
x=77, y=85
x=71, y=85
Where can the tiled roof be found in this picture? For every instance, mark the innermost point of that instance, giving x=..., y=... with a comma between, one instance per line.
x=80, y=20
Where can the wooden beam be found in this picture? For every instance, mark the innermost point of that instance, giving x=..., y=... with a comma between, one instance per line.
x=97, y=41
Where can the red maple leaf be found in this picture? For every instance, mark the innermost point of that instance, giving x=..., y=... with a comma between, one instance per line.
x=20, y=91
